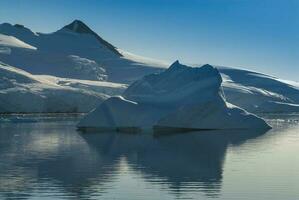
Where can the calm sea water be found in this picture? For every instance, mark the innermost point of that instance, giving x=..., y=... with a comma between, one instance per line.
x=47, y=158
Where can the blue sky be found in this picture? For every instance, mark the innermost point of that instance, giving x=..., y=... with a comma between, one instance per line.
x=261, y=35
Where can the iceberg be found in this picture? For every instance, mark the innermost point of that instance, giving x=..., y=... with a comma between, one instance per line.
x=180, y=98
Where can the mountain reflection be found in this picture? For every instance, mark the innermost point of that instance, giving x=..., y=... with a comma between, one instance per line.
x=34, y=157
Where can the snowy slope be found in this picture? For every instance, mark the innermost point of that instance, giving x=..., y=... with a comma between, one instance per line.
x=108, y=88
x=21, y=91
x=258, y=92
x=75, y=51
x=181, y=97
x=12, y=42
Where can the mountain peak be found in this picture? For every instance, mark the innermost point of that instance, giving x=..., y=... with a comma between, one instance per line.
x=176, y=65
x=208, y=66
x=80, y=27
x=19, y=26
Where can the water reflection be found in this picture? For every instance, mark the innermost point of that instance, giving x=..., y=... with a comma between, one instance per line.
x=52, y=159
x=187, y=161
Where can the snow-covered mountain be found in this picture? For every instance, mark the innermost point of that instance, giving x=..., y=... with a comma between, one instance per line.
x=22, y=92
x=75, y=51
x=180, y=98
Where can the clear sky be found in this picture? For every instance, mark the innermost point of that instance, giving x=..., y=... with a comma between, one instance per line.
x=262, y=35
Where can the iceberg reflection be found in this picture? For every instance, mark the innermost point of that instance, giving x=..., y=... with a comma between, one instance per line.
x=52, y=159
x=182, y=162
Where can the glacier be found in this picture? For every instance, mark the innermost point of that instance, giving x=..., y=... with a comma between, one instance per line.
x=180, y=98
